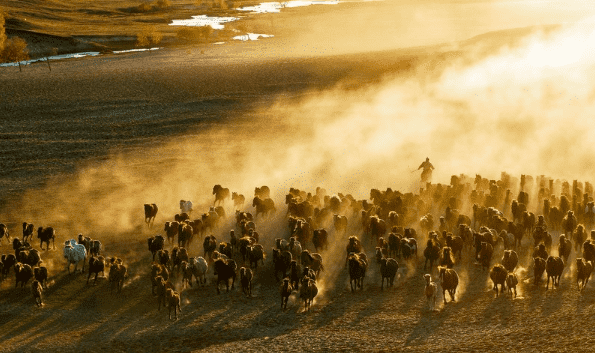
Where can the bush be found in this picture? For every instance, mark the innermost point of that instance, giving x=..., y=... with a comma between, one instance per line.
x=156, y=5
x=221, y=4
x=15, y=49
x=195, y=34
x=187, y=33
x=148, y=37
x=144, y=7
x=2, y=31
x=162, y=4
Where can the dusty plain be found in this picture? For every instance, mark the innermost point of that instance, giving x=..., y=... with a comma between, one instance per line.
x=84, y=145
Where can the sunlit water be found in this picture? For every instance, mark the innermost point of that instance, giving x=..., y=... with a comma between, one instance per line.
x=74, y=56
x=251, y=36
x=204, y=20
x=275, y=7
x=134, y=50
x=53, y=57
x=265, y=7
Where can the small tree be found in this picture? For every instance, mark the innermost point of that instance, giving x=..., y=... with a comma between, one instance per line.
x=187, y=34
x=15, y=50
x=205, y=32
x=148, y=37
x=162, y=4
x=223, y=5
x=192, y=34
x=144, y=7
x=2, y=31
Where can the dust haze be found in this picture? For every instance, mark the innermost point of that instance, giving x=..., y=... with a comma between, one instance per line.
x=521, y=109
x=366, y=26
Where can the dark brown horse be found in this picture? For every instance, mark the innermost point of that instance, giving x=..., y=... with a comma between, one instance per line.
x=4, y=233
x=45, y=235
x=220, y=193
x=264, y=206
x=150, y=213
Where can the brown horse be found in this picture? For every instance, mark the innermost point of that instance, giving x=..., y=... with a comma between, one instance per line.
x=220, y=193
x=150, y=213
x=4, y=233
x=263, y=192
x=265, y=206
x=238, y=200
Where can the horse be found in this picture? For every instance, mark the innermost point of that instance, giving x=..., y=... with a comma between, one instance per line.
x=265, y=206
x=150, y=213
x=220, y=193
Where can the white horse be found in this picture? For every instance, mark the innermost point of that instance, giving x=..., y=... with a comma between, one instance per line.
x=186, y=206
x=430, y=292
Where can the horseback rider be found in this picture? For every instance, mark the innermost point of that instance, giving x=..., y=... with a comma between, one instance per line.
x=426, y=174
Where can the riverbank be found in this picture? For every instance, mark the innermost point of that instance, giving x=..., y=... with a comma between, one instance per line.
x=58, y=28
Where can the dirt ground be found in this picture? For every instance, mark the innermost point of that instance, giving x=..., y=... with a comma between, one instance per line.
x=84, y=114
x=77, y=316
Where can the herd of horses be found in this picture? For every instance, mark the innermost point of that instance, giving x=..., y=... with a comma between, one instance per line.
x=476, y=217
x=479, y=221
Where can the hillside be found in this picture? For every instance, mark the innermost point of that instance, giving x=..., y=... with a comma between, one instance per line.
x=56, y=26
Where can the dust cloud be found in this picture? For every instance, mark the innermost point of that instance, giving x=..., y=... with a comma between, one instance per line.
x=358, y=26
x=521, y=109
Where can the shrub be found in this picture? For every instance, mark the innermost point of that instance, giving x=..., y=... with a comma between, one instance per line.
x=2, y=31
x=156, y=5
x=187, y=33
x=194, y=34
x=15, y=50
x=162, y=4
x=148, y=37
x=144, y=7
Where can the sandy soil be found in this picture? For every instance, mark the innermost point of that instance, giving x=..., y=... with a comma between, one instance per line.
x=83, y=112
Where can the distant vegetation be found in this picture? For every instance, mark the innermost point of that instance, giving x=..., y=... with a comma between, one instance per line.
x=149, y=36
x=195, y=34
x=154, y=6
x=213, y=4
x=2, y=31
x=11, y=49
x=162, y=4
